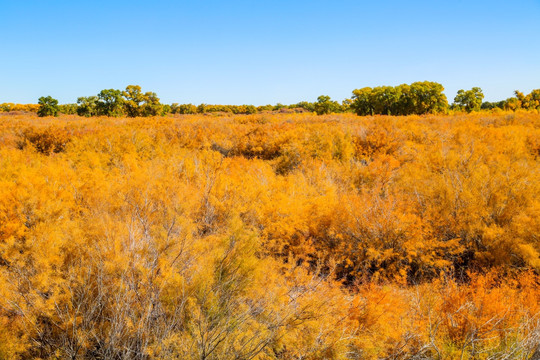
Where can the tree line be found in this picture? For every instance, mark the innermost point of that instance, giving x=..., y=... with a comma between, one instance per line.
x=418, y=98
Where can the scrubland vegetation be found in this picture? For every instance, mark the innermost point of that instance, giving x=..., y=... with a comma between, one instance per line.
x=270, y=236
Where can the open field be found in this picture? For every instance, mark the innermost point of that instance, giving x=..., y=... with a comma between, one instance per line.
x=270, y=236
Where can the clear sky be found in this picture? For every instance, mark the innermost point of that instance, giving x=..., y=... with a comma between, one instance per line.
x=261, y=51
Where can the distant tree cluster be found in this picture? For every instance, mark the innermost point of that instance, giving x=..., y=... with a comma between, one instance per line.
x=471, y=100
x=206, y=108
x=131, y=102
x=418, y=98
x=521, y=101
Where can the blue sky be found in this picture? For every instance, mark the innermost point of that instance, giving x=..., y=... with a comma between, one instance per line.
x=261, y=52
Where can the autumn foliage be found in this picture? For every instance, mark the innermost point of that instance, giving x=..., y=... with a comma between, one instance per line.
x=270, y=236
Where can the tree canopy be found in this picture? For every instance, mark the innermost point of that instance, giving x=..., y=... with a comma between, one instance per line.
x=470, y=100
x=418, y=98
x=47, y=106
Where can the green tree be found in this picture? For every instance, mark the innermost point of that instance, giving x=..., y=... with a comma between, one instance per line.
x=250, y=109
x=519, y=95
x=417, y=98
x=87, y=106
x=309, y=106
x=361, y=101
x=325, y=105
x=166, y=109
x=68, y=109
x=512, y=103
x=470, y=100
x=151, y=105
x=486, y=105
x=532, y=101
x=133, y=99
x=278, y=107
x=47, y=106
x=426, y=97
x=267, y=107
x=110, y=103
x=201, y=109
x=183, y=109
x=346, y=105
x=137, y=103
x=385, y=100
